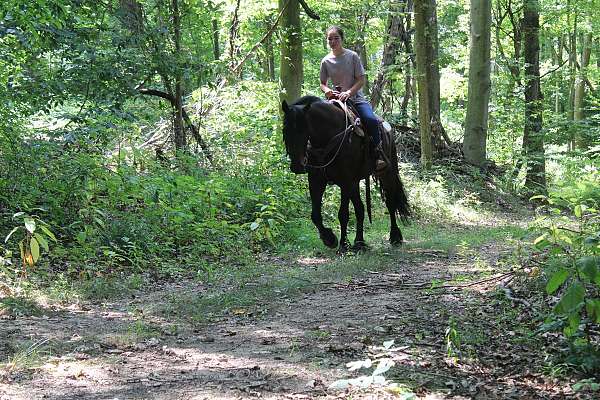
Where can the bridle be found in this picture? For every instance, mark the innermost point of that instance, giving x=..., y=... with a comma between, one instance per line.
x=331, y=145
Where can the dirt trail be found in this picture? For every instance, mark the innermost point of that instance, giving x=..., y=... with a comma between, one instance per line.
x=297, y=348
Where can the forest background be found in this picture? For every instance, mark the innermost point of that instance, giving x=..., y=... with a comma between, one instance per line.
x=141, y=139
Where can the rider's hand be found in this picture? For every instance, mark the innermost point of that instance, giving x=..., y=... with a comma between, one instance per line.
x=330, y=94
x=344, y=95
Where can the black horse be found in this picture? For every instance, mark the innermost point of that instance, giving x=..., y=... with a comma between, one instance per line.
x=320, y=141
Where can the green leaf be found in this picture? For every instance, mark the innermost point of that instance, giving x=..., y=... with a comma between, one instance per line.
x=254, y=226
x=42, y=241
x=384, y=365
x=10, y=234
x=48, y=232
x=29, y=224
x=35, y=249
x=571, y=300
x=578, y=210
x=81, y=237
x=557, y=280
x=573, y=326
x=589, y=266
x=16, y=215
x=593, y=309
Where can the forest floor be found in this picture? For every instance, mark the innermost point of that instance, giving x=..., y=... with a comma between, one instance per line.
x=434, y=322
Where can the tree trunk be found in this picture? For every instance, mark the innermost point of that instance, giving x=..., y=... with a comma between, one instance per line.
x=476, y=122
x=533, y=137
x=215, y=39
x=558, y=103
x=291, y=69
x=391, y=48
x=423, y=77
x=180, y=139
x=579, y=96
x=437, y=130
x=270, y=55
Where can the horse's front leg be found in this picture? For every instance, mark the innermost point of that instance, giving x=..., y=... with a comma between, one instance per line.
x=344, y=217
x=316, y=188
x=359, y=212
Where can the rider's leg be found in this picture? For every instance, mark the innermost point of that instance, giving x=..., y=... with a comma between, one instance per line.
x=369, y=120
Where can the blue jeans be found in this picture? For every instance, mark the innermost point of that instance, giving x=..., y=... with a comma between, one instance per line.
x=369, y=121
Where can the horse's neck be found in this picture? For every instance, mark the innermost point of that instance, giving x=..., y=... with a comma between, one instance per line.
x=324, y=127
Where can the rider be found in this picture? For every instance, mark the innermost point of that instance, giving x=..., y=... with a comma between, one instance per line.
x=344, y=68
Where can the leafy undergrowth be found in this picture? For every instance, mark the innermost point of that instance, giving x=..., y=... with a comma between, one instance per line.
x=446, y=315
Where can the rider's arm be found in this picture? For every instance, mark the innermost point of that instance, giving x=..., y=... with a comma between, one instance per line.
x=326, y=89
x=360, y=81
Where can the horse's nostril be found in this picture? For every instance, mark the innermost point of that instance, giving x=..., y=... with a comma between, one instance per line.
x=304, y=161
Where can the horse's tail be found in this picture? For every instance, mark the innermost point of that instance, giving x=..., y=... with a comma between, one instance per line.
x=368, y=196
x=392, y=189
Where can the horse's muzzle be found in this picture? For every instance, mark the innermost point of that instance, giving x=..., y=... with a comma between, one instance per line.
x=299, y=167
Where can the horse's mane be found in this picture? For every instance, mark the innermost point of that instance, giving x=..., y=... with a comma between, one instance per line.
x=306, y=100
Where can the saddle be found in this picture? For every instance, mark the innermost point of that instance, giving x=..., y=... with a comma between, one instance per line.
x=385, y=129
x=351, y=115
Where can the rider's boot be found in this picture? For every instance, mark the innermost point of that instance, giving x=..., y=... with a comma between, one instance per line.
x=380, y=163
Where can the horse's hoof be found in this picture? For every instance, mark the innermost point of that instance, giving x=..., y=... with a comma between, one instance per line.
x=329, y=239
x=360, y=246
x=396, y=238
x=343, y=249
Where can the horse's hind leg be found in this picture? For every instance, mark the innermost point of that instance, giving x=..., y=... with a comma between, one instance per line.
x=317, y=188
x=395, y=233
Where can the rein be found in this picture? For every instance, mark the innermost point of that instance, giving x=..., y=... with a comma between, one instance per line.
x=349, y=127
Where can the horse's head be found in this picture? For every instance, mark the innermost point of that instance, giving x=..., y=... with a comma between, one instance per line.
x=295, y=135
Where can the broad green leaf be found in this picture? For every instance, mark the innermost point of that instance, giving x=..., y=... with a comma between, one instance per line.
x=589, y=266
x=10, y=234
x=578, y=210
x=81, y=237
x=538, y=197
x=17, y=215
x=384, y=365
x=557, y=279
x=340, y=384
x=29, y=224
x=354, y=365
x=48, y=232
x=571, y=300
x=574, y=321
x=42, y=241
x=35, y=249
x=593, y=309
x=254, y=226
x=540, y=238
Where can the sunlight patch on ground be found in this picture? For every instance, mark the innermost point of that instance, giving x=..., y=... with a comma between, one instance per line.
x=311, y=261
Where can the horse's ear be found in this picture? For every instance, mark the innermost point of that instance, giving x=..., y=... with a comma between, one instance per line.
x=284, y=106
x=306, y=108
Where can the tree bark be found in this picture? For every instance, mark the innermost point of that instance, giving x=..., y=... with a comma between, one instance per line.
x=533, y=136
x=180, y=139
x=395, y=31
x=579, y=95
x=215, y=39
x=476, y=122
x=423, y=78
x=291, y=68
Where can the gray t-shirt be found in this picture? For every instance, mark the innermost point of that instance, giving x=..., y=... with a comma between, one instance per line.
x=343, y=71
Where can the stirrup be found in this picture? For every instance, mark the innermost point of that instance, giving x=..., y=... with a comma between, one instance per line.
x=380, y=164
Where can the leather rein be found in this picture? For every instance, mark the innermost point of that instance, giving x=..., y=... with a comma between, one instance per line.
x=330, y=146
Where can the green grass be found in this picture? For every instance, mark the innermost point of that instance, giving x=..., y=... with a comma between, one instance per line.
x=19, y=306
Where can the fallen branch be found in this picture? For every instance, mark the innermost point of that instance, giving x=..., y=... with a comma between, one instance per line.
x=186, y=118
